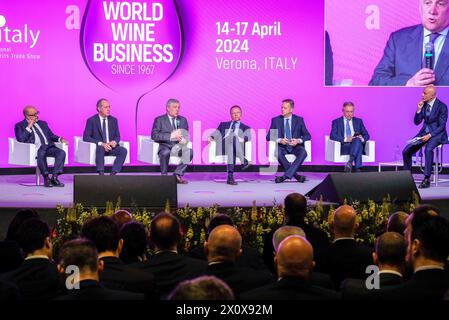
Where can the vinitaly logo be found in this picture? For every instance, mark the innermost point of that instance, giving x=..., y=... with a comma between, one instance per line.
x=11, y=34
x=131, y=45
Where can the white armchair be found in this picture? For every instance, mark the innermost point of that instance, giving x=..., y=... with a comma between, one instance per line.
x=223, y=159
x=333, y=149
x=147, y=150
x=85, y=152
x=24, y=154
x=272, y=156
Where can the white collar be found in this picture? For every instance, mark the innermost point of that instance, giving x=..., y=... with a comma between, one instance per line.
x=344, y=119
x=432, y=102
x=101, y=118
x=391, y=272
x=288, y=117
x=431, y=267
x=38, y=256
x=442, y=32
x=344, y=238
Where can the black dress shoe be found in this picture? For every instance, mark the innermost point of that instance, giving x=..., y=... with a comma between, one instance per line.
x=47, y=182
x=348, y=166
x=425, y=184
x=280, y=179
x=300, y=178
x=246, y=166
x=180, y=180
x=358, y=170
x=231, y=180
x=113, y=173
x=56, y=183
x=101, y=173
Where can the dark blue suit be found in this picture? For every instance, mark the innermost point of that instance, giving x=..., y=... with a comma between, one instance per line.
x=94, y=134
x=436, y=125
x=403, y=57
x=355, y=148
x=299, y=131
x=45, y=150
x=219, y=136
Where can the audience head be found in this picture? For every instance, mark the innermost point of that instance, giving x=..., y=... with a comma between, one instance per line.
x=165, y=231
x=425, y=209
x=390, y=251
x=223, y=245
x=295, y=206
x=284, y=232
x=202, y=288
x=345, y=222
x=83, y=254
x=34, y=238
x=428, y=240
x=122, y=217
x=104, y=233
x=135, y=242
x=218, y=220
x=294, y=258
x=397, y=222
x=20, y=217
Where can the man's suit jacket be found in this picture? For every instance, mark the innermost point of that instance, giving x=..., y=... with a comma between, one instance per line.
x=10, y=256
x=94, y=134
x=170, y=268
x=92, y=290
x=436, y=121
x=424, y=285
x=118, y=276
x=355, y=289
x=338, y=129
x=344, y=259
x=162, y=129
x=221, y=131
x=37, y=279
x=8, y=292
x=22, y=135
x=290, y=288
x=403, y=56
x=298, y=128
x=239, y=279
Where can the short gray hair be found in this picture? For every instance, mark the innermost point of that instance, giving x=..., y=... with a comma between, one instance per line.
x=284, y=232
x=171, y=101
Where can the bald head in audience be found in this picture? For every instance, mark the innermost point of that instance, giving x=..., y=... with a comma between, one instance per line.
x=223, y=245
x=294, y=258
x=165, y=232
x=345, y=222
x=284, y=232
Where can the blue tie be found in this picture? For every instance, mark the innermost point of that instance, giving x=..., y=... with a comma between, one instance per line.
x=428, y=112
x=348, y=128
x=103, y=128
x=39, y=134
x=288, y=134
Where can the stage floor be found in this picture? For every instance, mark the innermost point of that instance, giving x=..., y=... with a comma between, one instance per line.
x=204, y=189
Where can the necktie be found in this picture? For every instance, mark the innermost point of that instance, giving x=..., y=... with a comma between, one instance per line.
x=348, y=129
x=428, y=111
x=173, y=122
x=432, y=38
x=288, y=130
x=39, y=134
x=232, y=127
x=103, y=129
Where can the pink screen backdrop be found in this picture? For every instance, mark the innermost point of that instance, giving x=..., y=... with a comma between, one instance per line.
x=65, y=90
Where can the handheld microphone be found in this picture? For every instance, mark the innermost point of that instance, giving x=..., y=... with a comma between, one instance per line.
x=429, y=55
x=177, y=122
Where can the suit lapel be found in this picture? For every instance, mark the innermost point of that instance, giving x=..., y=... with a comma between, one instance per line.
x=443, y=62
x=281, y=120
x=414, y=49
x=294, y=125
x=98, y=124
x=434, y=109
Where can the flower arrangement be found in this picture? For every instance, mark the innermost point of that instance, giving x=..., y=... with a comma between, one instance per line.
x=253, y=223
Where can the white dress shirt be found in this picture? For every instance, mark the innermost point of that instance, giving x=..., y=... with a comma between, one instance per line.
x=107, y=129
x=344, y=128
x=37, y=140
x=438, y=44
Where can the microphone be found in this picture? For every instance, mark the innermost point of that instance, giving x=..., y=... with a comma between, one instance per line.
x=428, y=55
x=177, y=122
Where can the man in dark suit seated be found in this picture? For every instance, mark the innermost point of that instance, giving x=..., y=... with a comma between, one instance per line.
x=403, y=62
x=104, y=233
x=231, y=137
x=38, y=277
x=8, y=292
x=223, y=248
x=345, y=258
x=433, y=113
x=294, y=262
x=397, y=222
x=102, y=129
x=168, y=267
x=290, y=132
x=80, y=256
x=391, y=248
x=428, y=249
x=250, y=256
x=352, y=134
x=171, y=131
x=295, y=207
x=35, y=131
x=202, y=288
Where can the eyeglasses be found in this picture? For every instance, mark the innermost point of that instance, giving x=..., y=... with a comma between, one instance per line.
x=33, y=115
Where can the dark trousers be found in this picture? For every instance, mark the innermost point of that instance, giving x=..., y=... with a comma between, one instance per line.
x=50, y=151
x=178, y=150
x=291, y=168
x=120, y=156
x=410, y=150
x=355, y=151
